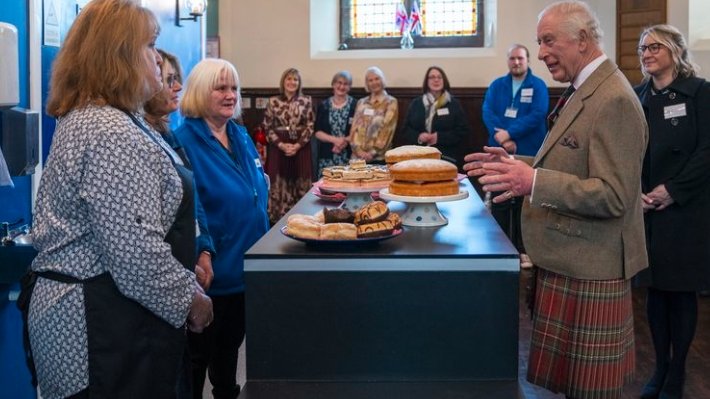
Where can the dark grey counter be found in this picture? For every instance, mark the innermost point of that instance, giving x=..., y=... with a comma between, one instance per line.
x=434, y=306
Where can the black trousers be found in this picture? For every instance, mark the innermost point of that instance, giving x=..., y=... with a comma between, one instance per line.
x=507, y=214
x=216, y=350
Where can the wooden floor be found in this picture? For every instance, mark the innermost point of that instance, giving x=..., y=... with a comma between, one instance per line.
x=698, y=366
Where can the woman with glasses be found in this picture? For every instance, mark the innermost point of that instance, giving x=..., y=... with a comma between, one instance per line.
x=288, y=122
x=436, y=118
x=233, y=189
x=676, y=194
x=333, y=120
x=157, y=114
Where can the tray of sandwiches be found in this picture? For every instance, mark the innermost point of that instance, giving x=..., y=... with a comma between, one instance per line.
x=336, y=196
x=371, y=223
x=356, y=177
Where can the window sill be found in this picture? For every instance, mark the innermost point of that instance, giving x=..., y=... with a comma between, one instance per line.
x=404, y=54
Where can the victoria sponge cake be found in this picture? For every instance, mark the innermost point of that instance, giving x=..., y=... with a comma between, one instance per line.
x=407, y=152
x=424, y=178
x=423, y=170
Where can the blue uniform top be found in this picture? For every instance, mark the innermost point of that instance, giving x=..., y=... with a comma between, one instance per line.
x=529, y=126
x=234, y=194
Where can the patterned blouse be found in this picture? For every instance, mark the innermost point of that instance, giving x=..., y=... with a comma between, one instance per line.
x=373, y=126
x=289, y=118
x=336, y=122
x=107, y=197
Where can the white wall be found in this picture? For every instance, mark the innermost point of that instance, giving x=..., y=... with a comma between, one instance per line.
x=264, y=37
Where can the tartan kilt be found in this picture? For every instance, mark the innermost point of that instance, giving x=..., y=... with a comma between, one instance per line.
x=583, y=336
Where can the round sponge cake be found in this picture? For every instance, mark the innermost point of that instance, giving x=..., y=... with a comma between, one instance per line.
x=423, y=170
x=424, y=189
x=407, y=152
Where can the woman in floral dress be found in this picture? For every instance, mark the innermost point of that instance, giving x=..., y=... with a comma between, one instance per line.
x=288, y=122
x=333, y=121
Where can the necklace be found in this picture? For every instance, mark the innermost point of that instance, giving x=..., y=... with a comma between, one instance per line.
x=338, y=103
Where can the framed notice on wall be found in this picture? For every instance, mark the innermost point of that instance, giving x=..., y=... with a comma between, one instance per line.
x=212, y=50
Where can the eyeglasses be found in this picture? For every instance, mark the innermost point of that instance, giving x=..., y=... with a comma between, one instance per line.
x=654, y=48
x=172, y=79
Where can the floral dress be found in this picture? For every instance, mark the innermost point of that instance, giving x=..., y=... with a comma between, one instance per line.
x=288, y=121
x=336, y=122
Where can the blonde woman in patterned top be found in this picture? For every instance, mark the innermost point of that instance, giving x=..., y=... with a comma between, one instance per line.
x=375, y=120
x=110, y=305
x=288, y=122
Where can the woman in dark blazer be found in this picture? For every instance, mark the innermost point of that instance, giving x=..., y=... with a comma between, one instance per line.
x=676, y=194
x=436, y=118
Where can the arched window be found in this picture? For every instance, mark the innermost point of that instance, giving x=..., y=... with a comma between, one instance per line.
x=370, y=24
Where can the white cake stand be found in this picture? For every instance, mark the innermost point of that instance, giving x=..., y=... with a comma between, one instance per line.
x=356, y=196
x=422, y=211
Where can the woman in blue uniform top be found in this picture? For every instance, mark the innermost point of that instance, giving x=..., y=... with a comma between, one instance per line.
x=233, y=190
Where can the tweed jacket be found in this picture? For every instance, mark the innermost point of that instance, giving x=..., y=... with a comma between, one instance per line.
x=584, y=219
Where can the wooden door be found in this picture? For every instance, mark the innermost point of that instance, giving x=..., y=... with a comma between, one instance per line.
x=632, y=17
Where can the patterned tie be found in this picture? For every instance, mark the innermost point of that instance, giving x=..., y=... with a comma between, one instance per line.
x=552, y=118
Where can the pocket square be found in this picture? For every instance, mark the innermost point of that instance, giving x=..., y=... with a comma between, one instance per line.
x=569, y=141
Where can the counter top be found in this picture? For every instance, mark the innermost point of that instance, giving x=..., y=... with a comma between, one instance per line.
x=471, y=235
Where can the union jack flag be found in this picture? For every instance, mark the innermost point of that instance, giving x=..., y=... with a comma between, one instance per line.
x=401, y=20
x=415, y=20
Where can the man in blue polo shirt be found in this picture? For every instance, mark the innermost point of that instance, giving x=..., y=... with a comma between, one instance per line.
x=514, y=111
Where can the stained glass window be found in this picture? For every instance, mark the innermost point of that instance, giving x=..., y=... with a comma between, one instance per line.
x=373, y=18
x=448, y=17
x=434, y=23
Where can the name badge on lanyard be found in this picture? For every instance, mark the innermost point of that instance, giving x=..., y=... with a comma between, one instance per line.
x=511, y=112
x=369, y=112
x=674, y=111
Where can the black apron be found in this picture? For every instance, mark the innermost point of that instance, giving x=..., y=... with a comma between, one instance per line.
x=132, y=352
x=181, y=235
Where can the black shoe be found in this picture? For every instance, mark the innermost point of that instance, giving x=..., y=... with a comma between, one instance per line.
x=654, y=385
x=673, y=388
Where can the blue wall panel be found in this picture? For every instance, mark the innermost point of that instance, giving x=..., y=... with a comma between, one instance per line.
x=184, y=41
x=15, y=203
